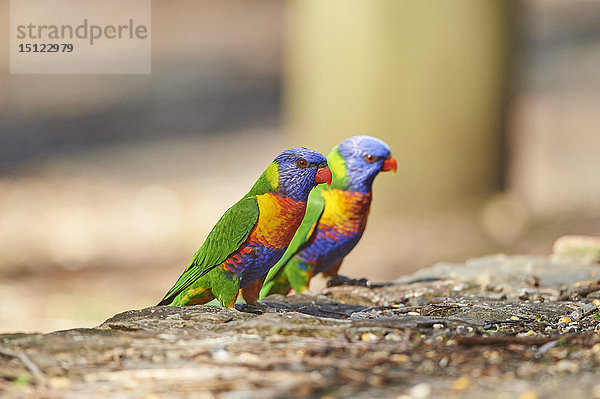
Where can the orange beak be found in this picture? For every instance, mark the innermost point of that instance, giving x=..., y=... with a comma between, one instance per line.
x=323, y=176
x=390, y=164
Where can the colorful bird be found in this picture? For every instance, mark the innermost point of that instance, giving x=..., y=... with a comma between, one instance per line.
x=336, y=216
x=253, y=234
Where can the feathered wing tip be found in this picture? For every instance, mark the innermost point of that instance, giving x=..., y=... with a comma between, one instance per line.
x=294, y=276
x=164, y=302
x=208, y=287
x=298, y=274
x=198, y=296
x=277, y=285
x=203, y=273
x=195, y=293
x=186, y=280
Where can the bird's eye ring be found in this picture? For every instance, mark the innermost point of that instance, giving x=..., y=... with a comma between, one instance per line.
x=369, y=158
x=302, y=163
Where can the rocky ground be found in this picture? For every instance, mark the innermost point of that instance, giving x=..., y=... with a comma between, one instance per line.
x=499, y=326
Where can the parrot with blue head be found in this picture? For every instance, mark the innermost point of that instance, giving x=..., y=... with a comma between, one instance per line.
x=253, y=234
x=335, y=218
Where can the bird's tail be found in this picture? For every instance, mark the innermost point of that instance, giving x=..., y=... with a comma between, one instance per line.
x=192, y=296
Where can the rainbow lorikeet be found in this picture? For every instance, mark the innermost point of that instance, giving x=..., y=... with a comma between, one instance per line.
x=253, y=234
x=336, y=216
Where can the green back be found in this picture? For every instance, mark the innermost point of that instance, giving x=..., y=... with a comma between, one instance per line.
x=227, y=235
x=337, y=164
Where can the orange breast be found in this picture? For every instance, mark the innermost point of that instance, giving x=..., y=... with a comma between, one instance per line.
x=278, y=220
x=345, y=211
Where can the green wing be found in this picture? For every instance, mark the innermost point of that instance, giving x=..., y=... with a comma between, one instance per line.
x=224, y=239
x=314, y=209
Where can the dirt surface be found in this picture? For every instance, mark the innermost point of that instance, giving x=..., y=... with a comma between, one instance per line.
x=499, y=327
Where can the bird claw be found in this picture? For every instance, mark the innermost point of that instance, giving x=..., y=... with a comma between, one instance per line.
x=343, y=280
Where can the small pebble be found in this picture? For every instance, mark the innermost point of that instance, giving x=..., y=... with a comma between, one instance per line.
x=368, y=337
x=523, y=295
x=400, y=358
x=420, y=391
x=444, y=362
x=438, y=326
x=392, y=337
x=461, y=383
x=220, y=355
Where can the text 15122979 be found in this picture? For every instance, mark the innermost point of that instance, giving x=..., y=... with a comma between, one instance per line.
x=46, y=48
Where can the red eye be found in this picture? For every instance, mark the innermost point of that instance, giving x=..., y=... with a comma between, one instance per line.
x=369, y=158
x=302, y=163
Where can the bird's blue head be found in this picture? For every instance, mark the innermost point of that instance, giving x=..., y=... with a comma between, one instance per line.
x=299, y=171
x=357, y=160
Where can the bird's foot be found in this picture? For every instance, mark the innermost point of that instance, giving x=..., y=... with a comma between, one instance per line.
x=254, y=308
x=343, y=280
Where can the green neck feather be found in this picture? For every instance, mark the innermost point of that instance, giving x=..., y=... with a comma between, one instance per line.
x=337, y=164
x=268, y=182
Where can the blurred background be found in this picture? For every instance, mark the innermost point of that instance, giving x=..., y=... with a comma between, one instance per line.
x=110, y=183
